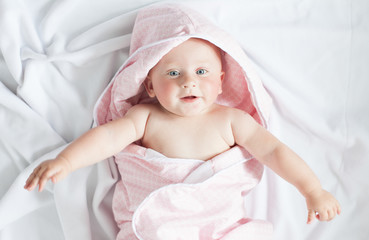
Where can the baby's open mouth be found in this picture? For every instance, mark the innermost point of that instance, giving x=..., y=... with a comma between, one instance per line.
x=189, y=99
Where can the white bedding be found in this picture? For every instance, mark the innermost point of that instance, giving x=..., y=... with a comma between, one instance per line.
x=58, y=56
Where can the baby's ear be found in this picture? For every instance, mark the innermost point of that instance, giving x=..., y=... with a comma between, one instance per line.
x=222, y=74
x=149, y=87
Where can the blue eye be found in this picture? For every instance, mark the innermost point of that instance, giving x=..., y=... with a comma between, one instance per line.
x=201, y=71
x=173, y=73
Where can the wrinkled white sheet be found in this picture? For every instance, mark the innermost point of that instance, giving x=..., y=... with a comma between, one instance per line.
x=58, y=56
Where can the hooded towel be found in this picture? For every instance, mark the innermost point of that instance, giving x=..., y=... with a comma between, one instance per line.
x=167, y=198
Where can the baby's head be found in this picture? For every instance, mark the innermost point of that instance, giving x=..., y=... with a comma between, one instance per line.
x=188, y=79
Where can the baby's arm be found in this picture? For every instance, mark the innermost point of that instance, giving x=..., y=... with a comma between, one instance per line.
x=95, y=145
x=282, y=160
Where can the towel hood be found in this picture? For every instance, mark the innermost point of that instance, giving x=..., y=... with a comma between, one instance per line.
x=158, y=29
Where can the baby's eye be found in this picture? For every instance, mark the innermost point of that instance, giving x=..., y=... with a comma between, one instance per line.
x=201, y=71
x=173, y=73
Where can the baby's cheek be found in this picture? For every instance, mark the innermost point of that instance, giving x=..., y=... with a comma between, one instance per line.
x=165, y=93
x=220, y=89
x=168, y=90
x=213, y=87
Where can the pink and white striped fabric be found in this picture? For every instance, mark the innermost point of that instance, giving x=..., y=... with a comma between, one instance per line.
x=165, y=198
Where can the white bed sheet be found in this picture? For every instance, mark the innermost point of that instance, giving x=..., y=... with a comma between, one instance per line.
x=58, y=56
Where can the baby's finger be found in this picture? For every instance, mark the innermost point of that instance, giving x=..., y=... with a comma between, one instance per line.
x=323, y=215
x=311, y=216
x=31, y=182
x=338, y=209
x=45, y=176
x=41, y=185
x=42, y=182
x=57, y=176
x=28, y=181
x=331, y=214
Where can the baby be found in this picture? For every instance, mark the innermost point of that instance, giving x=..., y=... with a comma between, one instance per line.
x=187, y=123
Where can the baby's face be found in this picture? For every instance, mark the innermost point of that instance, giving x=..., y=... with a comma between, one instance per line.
x=188, y=79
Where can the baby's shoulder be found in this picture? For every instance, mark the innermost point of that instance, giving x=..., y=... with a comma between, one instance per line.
x=143, y=107
x=231, y=112
x=145, y=110
x=141, y=110
x=235, y=116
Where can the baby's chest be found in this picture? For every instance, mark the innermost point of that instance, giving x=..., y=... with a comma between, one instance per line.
x=201, y=141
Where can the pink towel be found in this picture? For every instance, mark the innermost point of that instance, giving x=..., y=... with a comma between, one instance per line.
x=165, y=198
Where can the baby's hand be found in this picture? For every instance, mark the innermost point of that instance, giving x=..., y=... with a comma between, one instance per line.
x=322, y=205
x=55, y=170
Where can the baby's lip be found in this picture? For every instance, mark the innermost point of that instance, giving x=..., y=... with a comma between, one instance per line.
x=189, y=98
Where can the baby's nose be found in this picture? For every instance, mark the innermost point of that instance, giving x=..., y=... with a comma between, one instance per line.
x=188, y=83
